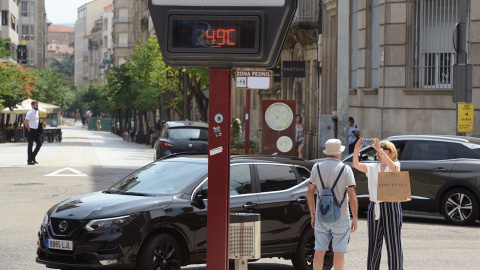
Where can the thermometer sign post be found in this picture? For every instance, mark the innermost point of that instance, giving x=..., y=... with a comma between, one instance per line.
x=221, y=35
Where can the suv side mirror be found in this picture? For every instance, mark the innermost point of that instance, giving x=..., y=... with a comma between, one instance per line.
x=198, y=199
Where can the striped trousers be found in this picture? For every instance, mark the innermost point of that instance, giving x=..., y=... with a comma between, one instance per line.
x=388, y=226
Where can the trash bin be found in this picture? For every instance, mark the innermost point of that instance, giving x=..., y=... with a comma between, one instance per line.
x=244, y=238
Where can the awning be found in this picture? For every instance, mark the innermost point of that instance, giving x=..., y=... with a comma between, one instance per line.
x=26, y=105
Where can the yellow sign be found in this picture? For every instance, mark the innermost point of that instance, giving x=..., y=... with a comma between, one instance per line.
x=465, y=117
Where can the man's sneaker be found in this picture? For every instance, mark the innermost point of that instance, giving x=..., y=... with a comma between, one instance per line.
x=30, y=162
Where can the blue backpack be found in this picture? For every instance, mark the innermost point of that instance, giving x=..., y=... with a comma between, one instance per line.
x=328, y=208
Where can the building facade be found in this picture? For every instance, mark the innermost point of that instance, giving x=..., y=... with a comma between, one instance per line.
x=401, y=65
x=9, y=26
x=88, y=14
x=123, y=30
x=60, y=40
x=33, y=29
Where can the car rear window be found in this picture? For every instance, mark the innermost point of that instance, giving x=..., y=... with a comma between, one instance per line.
x=276, y=177
x=188, y=133
x=461, y=151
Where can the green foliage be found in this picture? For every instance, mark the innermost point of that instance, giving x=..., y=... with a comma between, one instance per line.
x=52, y=88
x=16, y=84
x=93, y=97
x=66, y=65
x=3, y=48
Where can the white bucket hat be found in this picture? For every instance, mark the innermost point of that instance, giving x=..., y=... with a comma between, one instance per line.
x=333, y=147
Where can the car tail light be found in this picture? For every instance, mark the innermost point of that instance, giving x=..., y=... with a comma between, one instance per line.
x=165, y=145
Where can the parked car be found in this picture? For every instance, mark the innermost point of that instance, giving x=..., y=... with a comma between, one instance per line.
x=181, y=136
x=444, y=175
x=155, y=218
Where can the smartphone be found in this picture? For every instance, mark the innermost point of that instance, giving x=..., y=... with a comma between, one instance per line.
x=367, y=141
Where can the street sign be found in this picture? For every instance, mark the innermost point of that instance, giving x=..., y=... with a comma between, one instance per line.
x=221, y=34
x=465, y=117
x=101, y=66
x=254, y=79
x=106, y=61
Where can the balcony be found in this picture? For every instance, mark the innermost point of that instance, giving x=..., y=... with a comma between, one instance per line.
x=85, y=75
x=123, y=20
x=84, y=53
x=308, y=11
x=123, y=45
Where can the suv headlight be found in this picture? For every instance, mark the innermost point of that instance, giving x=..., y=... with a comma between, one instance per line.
x=45, y=220
x=107, y=223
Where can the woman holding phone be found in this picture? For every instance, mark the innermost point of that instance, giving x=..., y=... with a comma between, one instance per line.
x=384, y=219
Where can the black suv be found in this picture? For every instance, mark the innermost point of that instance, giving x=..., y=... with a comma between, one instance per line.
x=444, y=175
x=156, y=218
x=180, y=137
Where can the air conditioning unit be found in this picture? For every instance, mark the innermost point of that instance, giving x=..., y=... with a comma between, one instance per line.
x=244, y=237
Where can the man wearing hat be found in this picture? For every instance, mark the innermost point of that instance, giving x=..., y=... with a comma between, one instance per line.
x=339, y=231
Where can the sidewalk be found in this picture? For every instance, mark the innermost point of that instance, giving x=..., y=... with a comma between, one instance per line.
x=80, y=148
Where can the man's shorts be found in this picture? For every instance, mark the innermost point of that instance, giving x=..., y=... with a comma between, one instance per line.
x=338, y=232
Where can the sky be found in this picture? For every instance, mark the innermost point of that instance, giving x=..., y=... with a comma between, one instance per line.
x=63, y=11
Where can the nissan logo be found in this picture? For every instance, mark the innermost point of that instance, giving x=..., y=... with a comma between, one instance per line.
x=63, y=226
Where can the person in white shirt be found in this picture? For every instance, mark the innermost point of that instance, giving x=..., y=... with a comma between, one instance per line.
x=326, y=173
x=384, y=219
x=32, y=120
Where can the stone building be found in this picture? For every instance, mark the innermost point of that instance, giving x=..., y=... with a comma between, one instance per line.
x=60, y=39
x=88, y=14
x=401, y=64
x=300, y=46
x=33, y=30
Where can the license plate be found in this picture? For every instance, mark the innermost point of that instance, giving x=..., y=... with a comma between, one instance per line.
x=59, y=244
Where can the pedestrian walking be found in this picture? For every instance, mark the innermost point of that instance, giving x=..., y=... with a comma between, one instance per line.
x=334, y=176
x=99, y=125
x=32, y=121
x=384, y=219
x=299, y=136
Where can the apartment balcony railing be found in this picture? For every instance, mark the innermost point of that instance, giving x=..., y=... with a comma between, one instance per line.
x=123, y=45
x=123, y=20
x=307, y=11
x=84, y=53
x=85, y=75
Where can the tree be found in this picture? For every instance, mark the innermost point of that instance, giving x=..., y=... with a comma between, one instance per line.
x=16, y=84
x=52, y=88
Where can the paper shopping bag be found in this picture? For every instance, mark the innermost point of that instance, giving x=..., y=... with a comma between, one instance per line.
x=394, y=187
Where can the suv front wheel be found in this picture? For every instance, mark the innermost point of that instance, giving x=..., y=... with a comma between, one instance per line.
x=460, y=207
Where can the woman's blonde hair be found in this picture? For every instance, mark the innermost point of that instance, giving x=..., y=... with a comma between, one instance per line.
x=393, y=155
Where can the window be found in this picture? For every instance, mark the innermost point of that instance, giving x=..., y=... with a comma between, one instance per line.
x=123, y=14
x=304, y=173
x=433, y=55
x=123, y=39
x=82, y=14
x=461, y=151
x=188, y=133
x=426, y=150
x=240, y=181
x=276, y=177
x=353, y=44
x=4, y=17
x=25, y=9
x=13, y=22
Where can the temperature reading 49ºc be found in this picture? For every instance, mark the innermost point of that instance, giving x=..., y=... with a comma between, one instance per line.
x=219, y=37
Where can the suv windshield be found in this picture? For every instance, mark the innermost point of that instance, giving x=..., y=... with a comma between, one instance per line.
x=188, y=133
x=161, y=178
